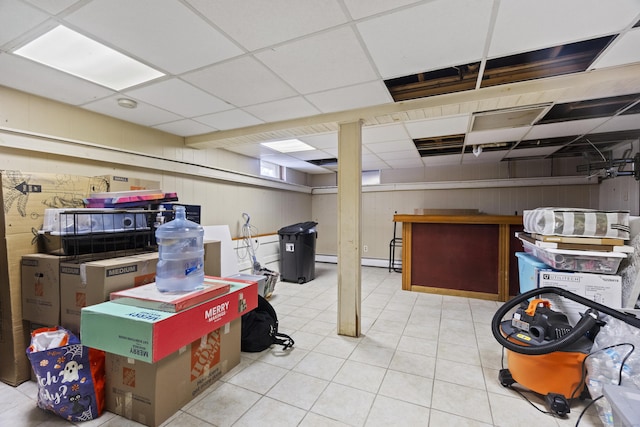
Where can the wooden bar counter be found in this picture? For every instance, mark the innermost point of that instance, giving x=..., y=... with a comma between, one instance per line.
x=463, y=255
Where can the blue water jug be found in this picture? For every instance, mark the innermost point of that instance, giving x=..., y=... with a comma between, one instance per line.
x=180, y=254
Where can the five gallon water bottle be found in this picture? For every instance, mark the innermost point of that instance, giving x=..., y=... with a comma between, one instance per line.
x=180, y=254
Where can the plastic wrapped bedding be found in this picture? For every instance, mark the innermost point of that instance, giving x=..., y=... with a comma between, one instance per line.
x=573, y=222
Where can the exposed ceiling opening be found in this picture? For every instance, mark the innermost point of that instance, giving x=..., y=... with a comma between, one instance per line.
x=438, y=146
x=553, y=61
x=588, y=109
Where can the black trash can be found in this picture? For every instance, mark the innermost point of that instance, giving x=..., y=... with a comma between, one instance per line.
x=298, y=252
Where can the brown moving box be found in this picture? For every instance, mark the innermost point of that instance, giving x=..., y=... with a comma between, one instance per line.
x=150, y=393
x=25, y=196
x=89, y=283
x=41, y=289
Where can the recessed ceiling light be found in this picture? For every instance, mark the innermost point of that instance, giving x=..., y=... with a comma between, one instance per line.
x=288, y=146
x=73, y=53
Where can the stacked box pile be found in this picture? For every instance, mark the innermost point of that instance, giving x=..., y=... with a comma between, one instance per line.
x=583, y=249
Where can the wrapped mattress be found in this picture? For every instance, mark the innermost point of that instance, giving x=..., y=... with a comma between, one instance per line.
x=577, y=222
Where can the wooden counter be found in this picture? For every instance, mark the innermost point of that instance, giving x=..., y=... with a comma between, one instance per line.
x=463, y=255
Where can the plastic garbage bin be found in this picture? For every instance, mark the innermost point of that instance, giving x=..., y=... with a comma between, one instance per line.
x=298, y=252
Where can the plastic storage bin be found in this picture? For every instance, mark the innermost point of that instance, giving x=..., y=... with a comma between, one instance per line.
x=180, y=254
x=298, y=252
x=529, y=268
x=582, y=261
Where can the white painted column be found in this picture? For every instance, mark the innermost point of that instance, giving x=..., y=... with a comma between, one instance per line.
x=349, y=228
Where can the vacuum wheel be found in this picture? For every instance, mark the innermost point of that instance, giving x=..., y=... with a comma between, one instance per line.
x=505, y=378
x=557, y=403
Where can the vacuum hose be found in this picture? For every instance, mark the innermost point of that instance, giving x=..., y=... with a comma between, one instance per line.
x=587, y=322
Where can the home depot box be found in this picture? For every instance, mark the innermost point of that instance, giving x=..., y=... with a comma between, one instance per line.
x=24, y=198
x=114, y=183
x=150, y=335
x=605, y=289
x=149, y=393
x=88, y=283
x=41, y=289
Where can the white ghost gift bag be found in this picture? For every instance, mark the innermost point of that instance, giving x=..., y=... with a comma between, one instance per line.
x=70, y=376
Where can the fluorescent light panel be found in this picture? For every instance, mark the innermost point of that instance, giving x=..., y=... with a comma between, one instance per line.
x=288, y=146
x=73, y=53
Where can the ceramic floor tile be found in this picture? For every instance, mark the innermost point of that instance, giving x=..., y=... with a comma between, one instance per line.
x=258, y=377
x=360, y=375
x=319, y=365
x=337, y=345
x=516, y=412
x=458, y=353
x=464, y=401
x=320, y=327
x=315, y=420
x=269, y=412
x=306, y=340
x=412, y=363
x=225, y=405
x=391, y=412
x=345, y=404
x=184, y=419
x=411, y=344
x=439, y=419
x=373, y=355
x=460, y=373
x=424, y=330
x=378, y=338
x=298, y=389
x=407, y=387
x=285, y=359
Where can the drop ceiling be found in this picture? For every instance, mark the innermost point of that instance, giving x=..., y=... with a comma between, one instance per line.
x=430, y=80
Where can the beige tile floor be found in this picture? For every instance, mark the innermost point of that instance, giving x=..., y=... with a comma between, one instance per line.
x=422, y=360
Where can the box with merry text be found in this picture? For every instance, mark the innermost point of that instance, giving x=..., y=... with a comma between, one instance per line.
x=150, y=335
x=150, y=393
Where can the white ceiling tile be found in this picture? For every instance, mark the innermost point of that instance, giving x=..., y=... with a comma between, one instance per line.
x=495, y=135
x=624, y=50
x=241, y=82
x=143, y=114
x=164, y=33
x=311, y=155
x=624, y=122
x=399, y=155
x=286, y=19
x=229, y=119
x=251, y=150
x=360, y=9
x=391, y=146
x=16, y=18
x=185, y=128
x=427, y=37
x=31, y=77
x=384, y=133
x=293, y=163
x=484, y=157
x=404, y=163
x=532, y=152
x=324, y=61
x=321, y=141
x=438, y=127
x=179, y=97
x=53, y=6
x=283, y=109
x=372, y=164
x=451, y=159
x=574, y=127
x=523, y=25
x=349, y=98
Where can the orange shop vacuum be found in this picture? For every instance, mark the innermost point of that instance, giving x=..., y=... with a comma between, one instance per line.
x=545, y=353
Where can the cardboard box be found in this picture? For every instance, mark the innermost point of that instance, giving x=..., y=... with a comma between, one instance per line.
x=41, y=289
x=148, y=296
x=212, y=258
x=150, y=393
x=85, y=284
x=114, y=183
x=605, y=289
x=150, y=335
x=24, y=198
